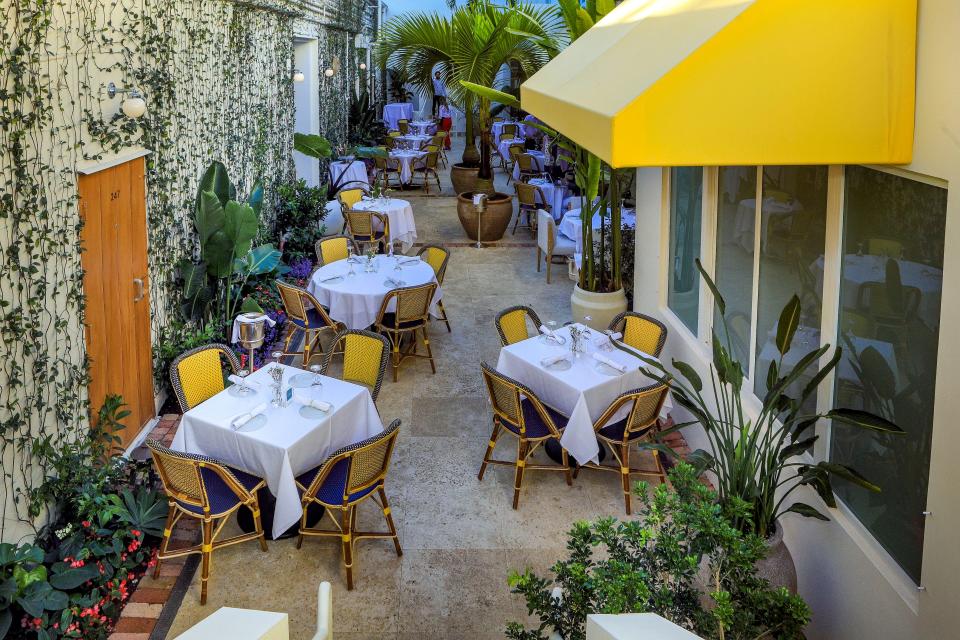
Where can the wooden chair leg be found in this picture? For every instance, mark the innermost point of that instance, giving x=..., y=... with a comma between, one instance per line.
x=625, y=474
x=518, y=476
x=347, y=543
x=389, y=517
x=426, y=343
x=490, y=447
x=549, y=265
x=446, y=320
x=206, y=549
x=395, y=340
x=258, y=523
x=566, y=464
x=167, y=530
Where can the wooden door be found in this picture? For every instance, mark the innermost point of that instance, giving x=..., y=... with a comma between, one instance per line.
x=114, y=237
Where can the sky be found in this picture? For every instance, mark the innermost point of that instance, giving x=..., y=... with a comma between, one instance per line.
x=405, y=6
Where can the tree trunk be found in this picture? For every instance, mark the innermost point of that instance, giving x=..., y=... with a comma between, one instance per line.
x=470, y=155
x=485, y=175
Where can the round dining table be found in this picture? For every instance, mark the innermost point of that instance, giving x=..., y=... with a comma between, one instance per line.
x=557, y=196
x=399, y=213
x=395, y=111
x=424, y=127
x=349, y=175
x=539, y=162
x=406, y=158
x=354, y=295
x=415, y=140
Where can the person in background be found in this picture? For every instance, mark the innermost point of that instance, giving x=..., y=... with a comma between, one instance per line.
x=439, y=93
x=446, y=121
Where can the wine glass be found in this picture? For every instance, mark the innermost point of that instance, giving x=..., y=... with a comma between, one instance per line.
x=242, y=389
x=351, y=272
x=317, y=379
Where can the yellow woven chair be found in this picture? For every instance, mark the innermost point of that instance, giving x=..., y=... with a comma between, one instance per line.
x=437, y=257
x=349, y=197
x=512, y=324
x=197, y=374
x=344, y=480
x=517, y=410
x=412, y=306
x=528, y=167
x=641, y=332
x=364, y=358
x=437, y=141
x=362, y=226
x=387, y=168
x=510, y=130
x=427, y=167
x=506, y=137
x=307, y=316
x=207, y=490
x=530, y=199
x=333, y=248
x=639, y=426
x=404, y=126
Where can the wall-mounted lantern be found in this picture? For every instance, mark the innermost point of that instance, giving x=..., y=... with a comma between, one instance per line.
x=134, y=106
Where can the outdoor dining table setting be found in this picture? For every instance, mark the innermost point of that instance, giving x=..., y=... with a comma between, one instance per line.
x=394, y=112
x=406, y=159
x=348, y=173
x=353, y=289
x=497, y=130
x=539, y=162
x=277, y=426
x=580, y=384
x=555, y=194
x=403, y=227
x=424, y=127
x=415, y=140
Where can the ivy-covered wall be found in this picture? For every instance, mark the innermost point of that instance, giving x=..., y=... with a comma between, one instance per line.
x=216, y=75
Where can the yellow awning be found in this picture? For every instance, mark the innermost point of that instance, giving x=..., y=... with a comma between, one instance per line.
x=737, y=82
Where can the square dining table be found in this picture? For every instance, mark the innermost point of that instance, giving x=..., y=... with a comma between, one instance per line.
x=583, y=392
x=288, y=444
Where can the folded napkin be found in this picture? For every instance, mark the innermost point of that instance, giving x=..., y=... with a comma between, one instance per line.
x=415, y=260
x=235, y=338
x=244, y=418
x=551, y=360
x=605, y=338
x=235, y=379
x=547, y=332
x=332, y=278
x=394, y=282
x=599, y=357
x=307, y=401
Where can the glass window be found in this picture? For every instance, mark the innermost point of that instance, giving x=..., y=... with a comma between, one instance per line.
x=686, y=199
x=733, y=273
x=793, y=219
x=891, y=281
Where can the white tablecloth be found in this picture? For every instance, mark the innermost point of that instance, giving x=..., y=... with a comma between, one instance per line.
x=355, y=300
x=406, y=160
x=399, y=213
x=555, y=196
x=497, y=130
x=772, y=210
x=396, y=111
x=288, y=444
x=581, y=392
x=504, y=147
x=571, y=226
x=349, y=176
x=415, y=140
x=424, y=127
x=868, y=268
x=538, y=162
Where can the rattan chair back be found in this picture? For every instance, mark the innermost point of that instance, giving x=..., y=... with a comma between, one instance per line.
x=512, y=324
x=645, y=406
x=180, y=474
x=197, y=374
x=509, y=129
x=641, y=332
x=404, y=126
x=364, y=358
x=369, y=462
x=437, y=257
x=297, y=301
x=390, y=142
x=349, y=197
x=360, y=223
x=505, y=397
x=526, y=163
x=884, y=303
x=530, y=196
x=412, y=305
x=333, y=248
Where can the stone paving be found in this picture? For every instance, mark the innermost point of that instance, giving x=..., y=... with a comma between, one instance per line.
x=460, y=537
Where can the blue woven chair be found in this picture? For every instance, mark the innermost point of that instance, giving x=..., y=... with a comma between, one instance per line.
x=210, y=491
x=518, y=411
x=345, y=479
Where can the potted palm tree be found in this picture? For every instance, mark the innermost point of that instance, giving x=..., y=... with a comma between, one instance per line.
x=472, y=45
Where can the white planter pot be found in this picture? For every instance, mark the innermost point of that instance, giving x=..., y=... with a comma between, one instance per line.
x=600, y=307
x=334, y=219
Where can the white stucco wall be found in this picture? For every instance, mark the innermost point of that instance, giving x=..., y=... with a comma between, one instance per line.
x=853, y=588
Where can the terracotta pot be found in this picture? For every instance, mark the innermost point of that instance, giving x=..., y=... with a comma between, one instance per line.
x=494, y=221
x=463, y=178
x=600, y=307
x=778, y=567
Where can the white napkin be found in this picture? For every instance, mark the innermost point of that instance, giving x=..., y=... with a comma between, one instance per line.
x=235, y=338
x=307, y=401
x=605, y=338
x=551, y=360
x=244, y=418
x=599, y=357
x=545, y=331
x=235, y=379
x=395, y=283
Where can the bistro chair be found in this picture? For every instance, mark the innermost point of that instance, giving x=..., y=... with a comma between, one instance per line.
x=404, y=126
x=390, y=142
x=641, y=332
x=364, y=358
x=437, y=257
x=348, y=198
x=528, y=167
x=197, y=374
x=439, y=139
x=550, y=245
x=412, y=310
x=361, y=227
x=514, y=151
x=308, y=317
x=510, y=130
x=890, y=307
x=512, y=324
x=644, y=406
x=386, y=168
x=503, y=138
x=530, y=199
x=344, y=480
x=517, y=410
x=207, y=490
x=394, y=134
x=427, y=168
x=333, y=248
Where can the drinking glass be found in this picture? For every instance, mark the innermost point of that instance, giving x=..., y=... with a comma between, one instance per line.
x=317, y=378
x=351, y=272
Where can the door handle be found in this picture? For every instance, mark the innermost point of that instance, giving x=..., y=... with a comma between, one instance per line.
x=139, y=283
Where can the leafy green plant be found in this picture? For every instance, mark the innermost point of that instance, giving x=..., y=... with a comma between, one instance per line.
x=365, y=128
x=213, y=287
x=683, y=550
x=300, y=212
x=174, y=339
x=754, y=460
